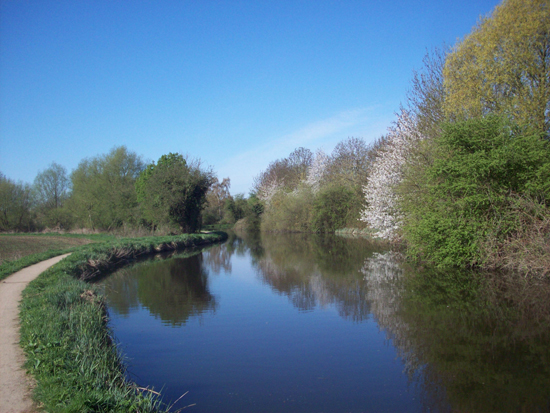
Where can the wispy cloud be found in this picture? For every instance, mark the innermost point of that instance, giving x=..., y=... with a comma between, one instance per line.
x=324, y=133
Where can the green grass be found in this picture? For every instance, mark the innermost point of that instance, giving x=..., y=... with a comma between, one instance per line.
x=65, y=336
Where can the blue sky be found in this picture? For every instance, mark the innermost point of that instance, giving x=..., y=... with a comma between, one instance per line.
x=237, y=84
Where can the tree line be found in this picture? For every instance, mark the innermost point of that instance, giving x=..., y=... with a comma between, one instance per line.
x=118, y=191
x=462, y=177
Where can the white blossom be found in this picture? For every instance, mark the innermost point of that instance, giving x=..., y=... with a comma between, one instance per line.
x=317, y=170
x=268, y=190
x=382, y=211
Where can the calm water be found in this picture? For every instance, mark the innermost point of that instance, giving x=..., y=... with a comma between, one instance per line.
x=326, y=324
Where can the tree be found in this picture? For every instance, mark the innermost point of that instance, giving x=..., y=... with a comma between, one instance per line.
x=16, y=202
x=331, y=208
x=349, y=164
x=503, y=66
x=51, y=187
x=316, y=172
x=426, y=98
x=283, y=174
x=103, y=193
x=216, y=199
x=382, y=210
x=174, y=191
x=236, y=208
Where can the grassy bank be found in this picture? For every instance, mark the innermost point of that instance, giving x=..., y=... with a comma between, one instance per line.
x=64, y=329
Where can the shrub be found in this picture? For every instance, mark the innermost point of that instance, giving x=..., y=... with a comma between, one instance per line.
x=289, y=212
x=464, y=195
x=332, y=208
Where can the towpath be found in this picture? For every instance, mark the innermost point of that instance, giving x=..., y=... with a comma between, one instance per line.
x=15, y=385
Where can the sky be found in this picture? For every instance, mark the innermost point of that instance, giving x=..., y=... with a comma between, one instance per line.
x=237, y=84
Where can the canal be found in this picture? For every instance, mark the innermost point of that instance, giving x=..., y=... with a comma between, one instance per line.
x=310, y=323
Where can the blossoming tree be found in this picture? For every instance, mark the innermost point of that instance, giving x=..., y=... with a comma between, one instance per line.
x=382, y=212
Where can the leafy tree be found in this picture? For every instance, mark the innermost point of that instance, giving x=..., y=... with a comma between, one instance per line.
x=503, y=66
x=254, y=211
x=349, y=164
x=173, y=192
x=103, y=193
x=289, y=211
x=51, y=187
x=236, y=208
x=16, y=203
x=465, y=195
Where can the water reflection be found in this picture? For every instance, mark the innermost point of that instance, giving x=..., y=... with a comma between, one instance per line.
x=317, y=271
x=172, y=290
x=218, y=259
x=468, y=342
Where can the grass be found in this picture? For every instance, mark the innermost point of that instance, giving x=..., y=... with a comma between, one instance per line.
x=18, y=251
x=14, y=247
x=64, y=330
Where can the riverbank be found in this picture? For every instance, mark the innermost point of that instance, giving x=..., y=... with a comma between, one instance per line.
x=64, y=330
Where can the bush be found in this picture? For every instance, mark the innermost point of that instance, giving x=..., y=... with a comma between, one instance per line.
x=332, y=208
x=463, y=197
x=289, y=212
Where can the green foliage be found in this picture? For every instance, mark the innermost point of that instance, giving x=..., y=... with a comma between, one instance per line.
x=503, y=66
x=16, y=202
x=303, y=193
x=253, y=213
x=103, y=195
x=331, y=208
x=348, y=165
x=173, y=192
x=217, y=198
x=235, y=208
x=464, y=194
x=290, y=212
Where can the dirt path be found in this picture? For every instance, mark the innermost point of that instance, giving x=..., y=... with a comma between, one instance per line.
x=15, y=393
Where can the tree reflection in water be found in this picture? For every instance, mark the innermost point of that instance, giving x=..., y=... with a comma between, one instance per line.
x=317, y=271
x=218, y=258
x=474, y=342
x=469, y=342
x=172, y=290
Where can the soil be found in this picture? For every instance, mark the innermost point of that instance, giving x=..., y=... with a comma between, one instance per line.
x=15, y=384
